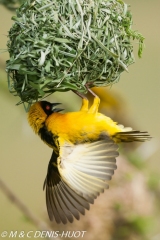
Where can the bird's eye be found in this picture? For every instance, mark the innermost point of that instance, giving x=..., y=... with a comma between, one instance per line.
x=48, y=107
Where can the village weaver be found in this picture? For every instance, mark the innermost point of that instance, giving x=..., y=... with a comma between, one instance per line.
x=84, y=155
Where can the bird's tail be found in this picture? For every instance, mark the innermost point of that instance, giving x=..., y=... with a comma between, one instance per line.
x=130, y=135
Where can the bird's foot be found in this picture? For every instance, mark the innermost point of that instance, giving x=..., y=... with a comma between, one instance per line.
x=96, y=102
x=84, y=106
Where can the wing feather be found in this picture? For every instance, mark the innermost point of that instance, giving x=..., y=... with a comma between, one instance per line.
x=77, y=176
x=62, y=202
x=52, y=212
x=86, y=167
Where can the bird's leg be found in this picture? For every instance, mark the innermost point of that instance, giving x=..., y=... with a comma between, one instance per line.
x=84, y=106
x=96, y=102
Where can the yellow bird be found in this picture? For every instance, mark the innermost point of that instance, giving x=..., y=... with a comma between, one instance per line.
x=84, y=155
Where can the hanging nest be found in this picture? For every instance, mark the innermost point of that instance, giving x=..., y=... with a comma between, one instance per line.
x=63, y=45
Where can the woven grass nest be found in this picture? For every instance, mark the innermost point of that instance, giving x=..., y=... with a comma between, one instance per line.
x=63, y=45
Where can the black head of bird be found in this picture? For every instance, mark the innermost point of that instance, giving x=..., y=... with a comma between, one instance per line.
x=50, y=108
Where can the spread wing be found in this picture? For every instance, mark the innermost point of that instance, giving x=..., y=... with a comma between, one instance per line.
x=62, y=202
x=80, y=177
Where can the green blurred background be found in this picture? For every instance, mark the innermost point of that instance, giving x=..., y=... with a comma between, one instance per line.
x=24, y=158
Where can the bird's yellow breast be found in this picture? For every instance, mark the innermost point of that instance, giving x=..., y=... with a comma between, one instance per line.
x=80, y=126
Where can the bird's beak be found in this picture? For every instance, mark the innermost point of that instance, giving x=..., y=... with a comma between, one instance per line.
x=53, y=109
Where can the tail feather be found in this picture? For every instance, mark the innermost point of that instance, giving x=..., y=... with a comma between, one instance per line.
x=131, y=136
